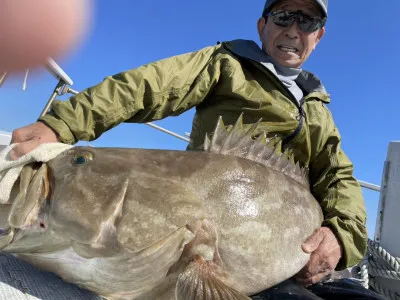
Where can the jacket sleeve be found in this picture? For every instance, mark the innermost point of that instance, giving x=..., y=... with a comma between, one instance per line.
x=151, y=92
x=340, y=196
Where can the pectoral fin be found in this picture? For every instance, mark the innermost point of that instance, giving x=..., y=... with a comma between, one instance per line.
x=200, y=282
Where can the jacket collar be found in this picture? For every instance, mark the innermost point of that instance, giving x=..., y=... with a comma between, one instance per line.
x=307, y=81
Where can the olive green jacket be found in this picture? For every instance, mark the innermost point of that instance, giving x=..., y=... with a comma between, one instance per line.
x=227, y=80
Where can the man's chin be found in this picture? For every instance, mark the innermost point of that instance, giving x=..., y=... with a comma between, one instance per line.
x=291, y=63
x=288, y=60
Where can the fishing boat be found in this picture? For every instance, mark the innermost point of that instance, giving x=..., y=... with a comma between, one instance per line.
x=379, y=271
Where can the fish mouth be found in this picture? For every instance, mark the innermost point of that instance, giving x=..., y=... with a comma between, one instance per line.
x=27, y=202
x=6, y=237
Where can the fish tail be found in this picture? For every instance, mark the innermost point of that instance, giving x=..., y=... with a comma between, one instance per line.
x=200, y=282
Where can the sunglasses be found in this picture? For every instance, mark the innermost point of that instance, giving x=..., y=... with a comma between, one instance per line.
x=306, y=23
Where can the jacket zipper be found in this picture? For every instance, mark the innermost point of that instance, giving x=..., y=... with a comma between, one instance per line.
x=299, y=104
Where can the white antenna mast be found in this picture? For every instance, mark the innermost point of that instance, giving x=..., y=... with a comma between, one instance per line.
x=3, y=78
x=25, y=80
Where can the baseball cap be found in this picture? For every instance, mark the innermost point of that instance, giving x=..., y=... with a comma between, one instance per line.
x=323, y=4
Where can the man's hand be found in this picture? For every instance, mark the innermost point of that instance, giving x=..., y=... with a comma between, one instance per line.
x=31, y=136
x=326, y=252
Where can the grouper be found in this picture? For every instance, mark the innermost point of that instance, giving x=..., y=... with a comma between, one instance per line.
x=223, y=223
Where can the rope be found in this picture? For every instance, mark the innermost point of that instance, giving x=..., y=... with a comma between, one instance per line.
x=380, y=288
x=379, y=263
x=381, y=253
x=364, y=272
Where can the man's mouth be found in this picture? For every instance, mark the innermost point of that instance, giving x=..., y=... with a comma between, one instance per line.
x=286, y=48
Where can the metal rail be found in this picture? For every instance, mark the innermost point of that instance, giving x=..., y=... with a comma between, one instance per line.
x=168, y=132
x=369, y=186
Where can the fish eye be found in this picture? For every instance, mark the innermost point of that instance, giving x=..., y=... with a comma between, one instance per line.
x=82, y=158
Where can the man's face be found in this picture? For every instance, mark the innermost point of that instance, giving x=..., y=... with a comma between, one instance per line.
x=290, y=46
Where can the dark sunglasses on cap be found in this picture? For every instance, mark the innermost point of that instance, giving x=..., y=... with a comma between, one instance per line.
x=306, y=23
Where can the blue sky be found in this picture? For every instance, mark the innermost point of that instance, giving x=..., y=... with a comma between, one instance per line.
x=357, y=61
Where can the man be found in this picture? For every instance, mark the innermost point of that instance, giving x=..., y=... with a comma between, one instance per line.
x=229, y=79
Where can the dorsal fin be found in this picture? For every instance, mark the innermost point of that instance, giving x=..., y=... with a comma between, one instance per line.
x=240, y=143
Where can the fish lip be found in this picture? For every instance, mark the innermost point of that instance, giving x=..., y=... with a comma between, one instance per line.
x=31, y=217
x=5, y=234
x=50, y=184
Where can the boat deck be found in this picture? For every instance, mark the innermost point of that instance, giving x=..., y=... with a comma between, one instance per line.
x=21, y=281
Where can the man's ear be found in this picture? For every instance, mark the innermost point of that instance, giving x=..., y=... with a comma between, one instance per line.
x=320, y=34
x=261, y=25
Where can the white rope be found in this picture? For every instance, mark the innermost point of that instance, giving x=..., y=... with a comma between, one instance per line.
x=379, y=263
x=380, y=253
x=364, y=272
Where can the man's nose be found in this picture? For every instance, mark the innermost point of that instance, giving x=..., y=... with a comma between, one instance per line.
x=293, y=31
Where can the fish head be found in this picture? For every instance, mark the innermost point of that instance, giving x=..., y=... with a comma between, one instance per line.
x=65, y=200
x=24, y=218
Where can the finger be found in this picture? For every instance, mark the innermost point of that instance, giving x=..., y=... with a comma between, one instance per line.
x=24, y=133
x=315, y=265
x=312, y=243
x=31, y=31
x=312, y=277
x=18, y=136
x=37, y=130
x=23, y=148
x=312, y=280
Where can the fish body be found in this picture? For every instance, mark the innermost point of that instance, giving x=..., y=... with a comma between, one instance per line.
x=159, y=224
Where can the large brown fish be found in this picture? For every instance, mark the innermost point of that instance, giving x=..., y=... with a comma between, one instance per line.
x=154, y=224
